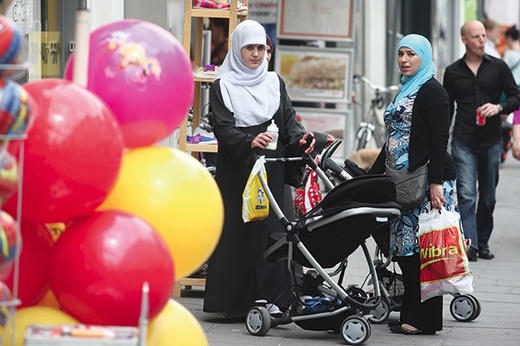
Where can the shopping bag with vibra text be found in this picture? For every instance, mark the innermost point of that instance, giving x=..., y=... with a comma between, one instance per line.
x=255, y=204
x=444, y=262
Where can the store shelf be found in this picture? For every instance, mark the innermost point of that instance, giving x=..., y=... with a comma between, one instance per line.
x=187, y=284
x=199, y=14
x=209, y=148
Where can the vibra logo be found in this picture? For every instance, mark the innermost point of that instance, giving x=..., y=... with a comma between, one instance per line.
x=441, y=254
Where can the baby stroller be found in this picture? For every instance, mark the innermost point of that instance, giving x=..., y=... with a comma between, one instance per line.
x=323, y=238
x=463, y=307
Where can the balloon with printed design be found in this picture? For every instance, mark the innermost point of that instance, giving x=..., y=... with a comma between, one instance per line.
x=144, y=75
x=10, y=240
x=16, y=108
x=11, y=44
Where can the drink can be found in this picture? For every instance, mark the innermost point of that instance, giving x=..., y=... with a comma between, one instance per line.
x=481, y=120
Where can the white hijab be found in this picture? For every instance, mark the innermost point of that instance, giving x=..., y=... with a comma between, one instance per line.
x=253, y=95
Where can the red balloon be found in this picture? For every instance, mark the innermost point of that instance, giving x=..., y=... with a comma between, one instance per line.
x=99, y=264
x=73, y=153
x=35, y=255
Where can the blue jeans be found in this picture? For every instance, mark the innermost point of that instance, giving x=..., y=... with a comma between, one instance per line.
x=477, y=165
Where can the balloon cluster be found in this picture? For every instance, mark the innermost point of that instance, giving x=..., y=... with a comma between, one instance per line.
x=103, y=208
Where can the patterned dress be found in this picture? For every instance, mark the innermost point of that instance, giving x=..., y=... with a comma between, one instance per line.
x=404, y=232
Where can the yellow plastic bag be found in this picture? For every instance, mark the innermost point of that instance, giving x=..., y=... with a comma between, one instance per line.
x=255, y=204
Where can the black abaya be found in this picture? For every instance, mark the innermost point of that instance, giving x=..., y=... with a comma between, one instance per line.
x=237, y=272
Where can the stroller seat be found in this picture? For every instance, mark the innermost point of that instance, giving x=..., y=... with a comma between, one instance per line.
x=350, y=213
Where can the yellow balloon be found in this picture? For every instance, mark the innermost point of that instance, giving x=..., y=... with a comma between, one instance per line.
x=178, y=196
x=175, y=325
x=49, y=299
x=35, y=315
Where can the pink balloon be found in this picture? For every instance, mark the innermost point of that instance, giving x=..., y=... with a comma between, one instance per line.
x=143, y=73
x=72, y=154
x=99, y=264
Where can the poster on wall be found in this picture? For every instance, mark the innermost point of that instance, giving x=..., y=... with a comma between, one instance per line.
x=330, y=20
x=313, y=74
x=332, y=121
x=265, y=13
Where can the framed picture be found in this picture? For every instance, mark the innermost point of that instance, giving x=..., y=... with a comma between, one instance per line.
x=329, y=20
x=328, y=120
x=316, y=74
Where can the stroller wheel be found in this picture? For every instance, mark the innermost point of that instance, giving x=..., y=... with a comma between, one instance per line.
x=258, y=321
x=465, y=308
x=479, y=308
x=380, y=313
x=355, y=330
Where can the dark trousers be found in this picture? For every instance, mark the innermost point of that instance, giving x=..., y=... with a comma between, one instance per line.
x=426, y=316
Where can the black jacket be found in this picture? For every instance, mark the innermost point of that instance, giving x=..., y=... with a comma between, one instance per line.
x=429, y=135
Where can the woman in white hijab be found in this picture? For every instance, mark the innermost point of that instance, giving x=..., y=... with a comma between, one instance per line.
x=244, y=99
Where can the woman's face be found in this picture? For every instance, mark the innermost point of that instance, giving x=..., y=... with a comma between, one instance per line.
x=408, y=61
x=269, y=52
x=252, y=55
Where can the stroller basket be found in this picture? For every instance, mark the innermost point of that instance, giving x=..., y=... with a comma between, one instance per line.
x=349, y=214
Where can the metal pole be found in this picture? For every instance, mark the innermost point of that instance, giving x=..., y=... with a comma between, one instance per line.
x=81, y=51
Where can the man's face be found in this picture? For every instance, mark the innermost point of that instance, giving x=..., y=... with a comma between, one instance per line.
x=474, y=38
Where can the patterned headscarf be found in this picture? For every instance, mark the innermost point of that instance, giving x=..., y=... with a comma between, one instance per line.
x=422, y=47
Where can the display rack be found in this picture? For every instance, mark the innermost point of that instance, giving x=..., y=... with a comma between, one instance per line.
x=14, y=302
x=199, y=14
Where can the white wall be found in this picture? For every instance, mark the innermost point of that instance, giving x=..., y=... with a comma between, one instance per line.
x=106, y=11
x=506, y=12
x=154, y=11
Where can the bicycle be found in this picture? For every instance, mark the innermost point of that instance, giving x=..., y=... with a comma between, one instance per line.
x=371, y=127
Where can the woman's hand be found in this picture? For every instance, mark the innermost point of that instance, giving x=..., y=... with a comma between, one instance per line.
x=516, y=141
x=516, y=149
x=262, y=140
x=437, y=196
x=330, y=140
x=303, y=142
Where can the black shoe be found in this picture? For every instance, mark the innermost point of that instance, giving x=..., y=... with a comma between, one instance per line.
x=472, y=254
x=485, y=254
x=394, y=323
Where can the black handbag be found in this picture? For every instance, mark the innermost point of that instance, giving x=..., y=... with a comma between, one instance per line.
x=410, y=185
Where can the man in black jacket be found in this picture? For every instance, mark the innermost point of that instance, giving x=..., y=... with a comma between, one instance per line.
x=475, y=83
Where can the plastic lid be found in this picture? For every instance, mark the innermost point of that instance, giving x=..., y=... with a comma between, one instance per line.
x=272, y=127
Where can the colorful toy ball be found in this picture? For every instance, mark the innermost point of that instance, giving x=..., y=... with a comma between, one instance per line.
x=15, y=108
x=11, y=43
x=144, y=75
x=8, y=175
x=9, y=240
x=5, y=297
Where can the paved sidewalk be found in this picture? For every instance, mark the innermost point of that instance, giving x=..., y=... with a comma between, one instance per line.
x=497, y=287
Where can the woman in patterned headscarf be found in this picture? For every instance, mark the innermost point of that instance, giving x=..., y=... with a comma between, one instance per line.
x=418, y=123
